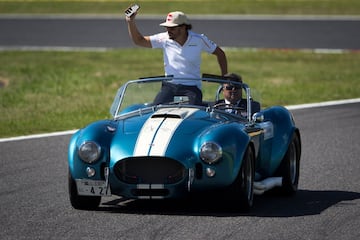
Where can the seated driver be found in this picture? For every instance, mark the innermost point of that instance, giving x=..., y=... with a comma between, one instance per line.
x=233, y=97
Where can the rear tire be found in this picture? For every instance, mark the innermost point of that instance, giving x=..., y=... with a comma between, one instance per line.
x=290, y=167
x=81, y=202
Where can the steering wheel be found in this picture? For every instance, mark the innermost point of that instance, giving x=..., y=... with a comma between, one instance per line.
x=224, y=106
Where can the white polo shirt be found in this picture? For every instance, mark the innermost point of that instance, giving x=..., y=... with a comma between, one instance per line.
x=183, y=61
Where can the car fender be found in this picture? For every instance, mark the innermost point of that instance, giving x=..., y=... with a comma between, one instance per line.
x=234, y=142
x=283, y=130
x=100, y=132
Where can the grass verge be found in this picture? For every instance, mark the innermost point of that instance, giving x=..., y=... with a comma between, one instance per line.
x=297, y=7
x=45, y=91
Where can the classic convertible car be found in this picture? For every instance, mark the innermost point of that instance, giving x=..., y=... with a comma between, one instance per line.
x=174, y=149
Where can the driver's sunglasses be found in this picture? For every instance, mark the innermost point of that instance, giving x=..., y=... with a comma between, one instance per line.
x=231, y=87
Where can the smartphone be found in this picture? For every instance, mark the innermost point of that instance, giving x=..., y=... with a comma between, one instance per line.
x=131, y=10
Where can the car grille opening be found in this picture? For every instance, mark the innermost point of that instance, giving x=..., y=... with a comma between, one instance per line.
x=149, y=170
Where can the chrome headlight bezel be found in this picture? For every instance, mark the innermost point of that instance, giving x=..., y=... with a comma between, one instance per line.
x=210, y=152
x=89, y=151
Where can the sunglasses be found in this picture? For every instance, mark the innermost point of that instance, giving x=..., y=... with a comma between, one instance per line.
x=231, y=87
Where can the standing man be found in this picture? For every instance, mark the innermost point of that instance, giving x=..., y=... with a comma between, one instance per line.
x=182, y=55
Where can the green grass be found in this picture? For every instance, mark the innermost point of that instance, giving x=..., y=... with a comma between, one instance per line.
x=322, y=7
x=54, y=91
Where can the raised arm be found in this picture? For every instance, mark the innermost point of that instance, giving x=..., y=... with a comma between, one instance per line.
x=135, y=35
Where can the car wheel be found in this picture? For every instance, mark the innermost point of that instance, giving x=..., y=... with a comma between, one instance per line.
x=290, y=167
x=81, y=202
x=243, y=187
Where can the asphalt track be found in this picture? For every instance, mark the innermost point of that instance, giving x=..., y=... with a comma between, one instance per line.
x=34, y=200
x=248, y=32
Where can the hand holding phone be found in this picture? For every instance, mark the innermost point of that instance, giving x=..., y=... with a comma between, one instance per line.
x=131, y=10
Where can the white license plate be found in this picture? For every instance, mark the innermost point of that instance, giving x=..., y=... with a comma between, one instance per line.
x=87, y=187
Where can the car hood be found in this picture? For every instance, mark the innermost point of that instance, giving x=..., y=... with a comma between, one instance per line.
x=152, y=134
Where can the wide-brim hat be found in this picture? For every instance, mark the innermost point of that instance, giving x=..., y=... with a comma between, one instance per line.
x=174, y=19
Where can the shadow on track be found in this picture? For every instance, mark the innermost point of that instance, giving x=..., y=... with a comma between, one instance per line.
x=304, y=203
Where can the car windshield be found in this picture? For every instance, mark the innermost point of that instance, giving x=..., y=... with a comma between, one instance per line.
x=140, y=94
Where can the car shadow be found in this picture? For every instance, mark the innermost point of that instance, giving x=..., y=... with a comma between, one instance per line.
x=304, y=203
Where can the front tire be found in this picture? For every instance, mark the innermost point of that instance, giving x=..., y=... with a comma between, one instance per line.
x=81, y=202
x=243, y=187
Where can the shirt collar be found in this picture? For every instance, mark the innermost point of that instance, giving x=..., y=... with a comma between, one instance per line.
x=228, y=102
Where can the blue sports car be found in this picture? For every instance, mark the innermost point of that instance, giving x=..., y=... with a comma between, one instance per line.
x=174, y=149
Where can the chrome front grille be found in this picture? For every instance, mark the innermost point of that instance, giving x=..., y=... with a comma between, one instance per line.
x=149, y=170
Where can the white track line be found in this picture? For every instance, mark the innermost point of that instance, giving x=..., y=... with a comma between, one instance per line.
x=37, y=136
x=292, y=107
x=323, y=104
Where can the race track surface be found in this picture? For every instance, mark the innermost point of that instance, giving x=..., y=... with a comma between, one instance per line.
x=267, y=32
x=34, y=199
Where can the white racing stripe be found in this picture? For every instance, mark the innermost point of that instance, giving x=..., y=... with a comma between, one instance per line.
x=146, y=136
x=158, y=130
x=164, y=135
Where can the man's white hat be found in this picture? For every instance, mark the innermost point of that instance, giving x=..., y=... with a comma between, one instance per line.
x=174, y=19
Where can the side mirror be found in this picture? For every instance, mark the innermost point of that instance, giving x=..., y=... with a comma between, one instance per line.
x=258, y=117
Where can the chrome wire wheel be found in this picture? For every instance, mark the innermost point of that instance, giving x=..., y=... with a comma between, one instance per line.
x=245, y=182
x=240, y=193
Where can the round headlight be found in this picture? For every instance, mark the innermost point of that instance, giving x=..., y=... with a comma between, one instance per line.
x=89, y=152
x=210, y=152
